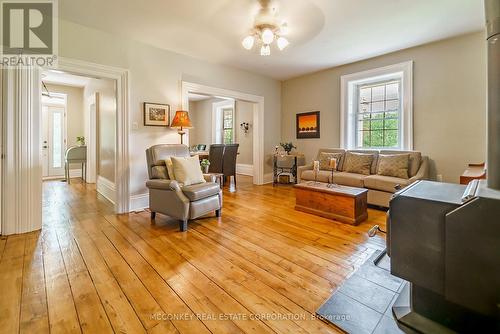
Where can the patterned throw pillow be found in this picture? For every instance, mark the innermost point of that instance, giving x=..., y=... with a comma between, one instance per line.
x=325, y=157
x=159, y=172
x=395, y=165
x=170, y=168
x=359, y=163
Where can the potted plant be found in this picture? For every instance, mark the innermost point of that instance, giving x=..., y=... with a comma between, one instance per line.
x=287, y=147
x=204, y=165
x=80, y=141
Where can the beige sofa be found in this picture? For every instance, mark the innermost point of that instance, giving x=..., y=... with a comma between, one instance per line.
x=380, y=187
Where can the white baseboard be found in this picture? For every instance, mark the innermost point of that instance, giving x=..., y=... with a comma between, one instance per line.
x=244, y=169
x=139, y=202
x=268, y=178
x=73, y=173
x=106, y=188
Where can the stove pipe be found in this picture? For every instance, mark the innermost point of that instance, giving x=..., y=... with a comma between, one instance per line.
x=492, y=9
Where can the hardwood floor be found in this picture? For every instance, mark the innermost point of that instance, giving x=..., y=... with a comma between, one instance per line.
x=261, y=268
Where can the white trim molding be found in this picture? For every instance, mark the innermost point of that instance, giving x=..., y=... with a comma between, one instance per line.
x=258, y=119
x=122, y=120
x=244, y=169
x=348, y=82
x=139, y=202
x=21, y=163
x=106, y=188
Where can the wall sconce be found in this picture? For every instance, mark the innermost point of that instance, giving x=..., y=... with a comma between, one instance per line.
x=245, y=126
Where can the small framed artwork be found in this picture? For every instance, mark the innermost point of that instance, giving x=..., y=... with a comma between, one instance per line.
x=308, y=125
x=156, y=114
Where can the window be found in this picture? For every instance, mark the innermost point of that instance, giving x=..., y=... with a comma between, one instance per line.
x=223, y=122
x=376, y=109
x=227, y=117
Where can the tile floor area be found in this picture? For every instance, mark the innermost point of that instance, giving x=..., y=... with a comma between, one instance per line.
x=364, y=301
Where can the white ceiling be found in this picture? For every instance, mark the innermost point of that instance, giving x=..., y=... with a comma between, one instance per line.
x=323, y=33
x=65, y=79
x=198, y=97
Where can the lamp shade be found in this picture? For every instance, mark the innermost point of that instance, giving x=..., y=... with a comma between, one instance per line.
x=181, y=119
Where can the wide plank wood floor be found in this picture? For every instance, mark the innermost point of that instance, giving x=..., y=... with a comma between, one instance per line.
x=261, y=268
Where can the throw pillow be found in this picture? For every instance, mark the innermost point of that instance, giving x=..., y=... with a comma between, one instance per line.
x=395, y=165
x=325, y=157
x=359, y=163
x=170, y=168
x=159, y=172
x=187, y=170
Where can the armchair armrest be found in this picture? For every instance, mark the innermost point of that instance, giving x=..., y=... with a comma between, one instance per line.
x=209, y=178
x=301, y=169
x=163, y=184
x=423, y=171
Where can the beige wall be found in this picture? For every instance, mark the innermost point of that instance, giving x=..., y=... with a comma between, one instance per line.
x=200, y=113
x=156, y=76
x=244, y=113
x=449, y=109
x=106, y=123
x=74, y=110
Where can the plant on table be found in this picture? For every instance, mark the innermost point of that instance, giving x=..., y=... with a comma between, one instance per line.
x=288, y=147
x=204, y=165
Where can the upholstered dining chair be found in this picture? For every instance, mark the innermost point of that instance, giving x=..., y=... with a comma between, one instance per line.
x=172, y=198
x=75, y=154
x=229, y=161
x=215, y=156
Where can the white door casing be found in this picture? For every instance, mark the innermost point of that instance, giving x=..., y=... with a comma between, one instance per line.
x=21, y=166
x=122, y=174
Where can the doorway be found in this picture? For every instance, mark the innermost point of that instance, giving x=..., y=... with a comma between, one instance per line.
x=53, y=135
x=254, y=120
x=78, y=118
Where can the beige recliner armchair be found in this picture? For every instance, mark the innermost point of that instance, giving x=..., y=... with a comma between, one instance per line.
x=170, y=197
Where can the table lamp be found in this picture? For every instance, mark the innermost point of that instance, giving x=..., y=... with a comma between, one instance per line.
x=181, y=120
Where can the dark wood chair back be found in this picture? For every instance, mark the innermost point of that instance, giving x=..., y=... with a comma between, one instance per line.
x=229, y=164
x=215, y=156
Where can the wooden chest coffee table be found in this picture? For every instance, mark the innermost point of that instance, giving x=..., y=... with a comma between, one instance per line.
x=342, y=203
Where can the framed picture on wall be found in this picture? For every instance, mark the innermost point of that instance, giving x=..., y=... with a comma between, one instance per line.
x=156, y=114
x=308, y=125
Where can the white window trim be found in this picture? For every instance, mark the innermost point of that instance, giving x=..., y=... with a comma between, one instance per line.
x=349, y=81
x=217, y=126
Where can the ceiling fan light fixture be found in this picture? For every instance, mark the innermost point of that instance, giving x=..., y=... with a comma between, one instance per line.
x=265, y=50
x=248, y=42
x=267, y=29
x=267, y=36
x=282, y=43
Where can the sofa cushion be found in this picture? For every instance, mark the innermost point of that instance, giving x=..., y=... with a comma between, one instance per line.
x=199, y=191
x=373, y=169
x=414, y=163
x=323, y=175
x=333, y=150
x=393, y=165
x=349, y=179
x=359, y=163
x=384, y=183
x=325, y=157
x=187, y=170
